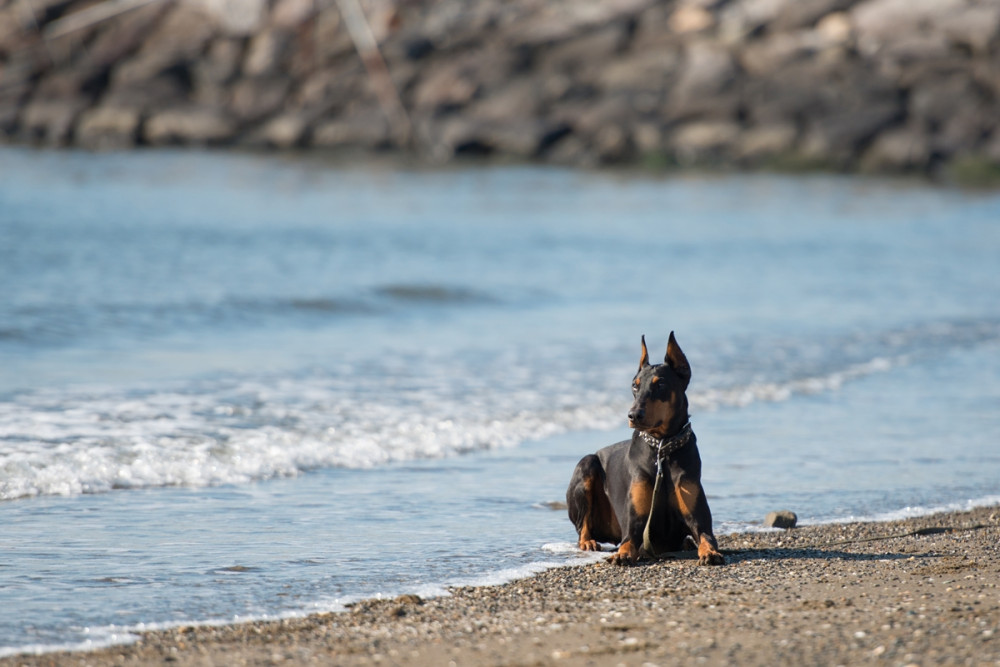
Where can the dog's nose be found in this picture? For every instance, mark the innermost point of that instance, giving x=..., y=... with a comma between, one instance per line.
x=636, y=414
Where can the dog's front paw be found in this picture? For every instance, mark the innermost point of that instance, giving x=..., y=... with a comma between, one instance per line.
x=627, y=554
x=708, y=553
x=711, y=558
x=621, y=560
x=590, y=545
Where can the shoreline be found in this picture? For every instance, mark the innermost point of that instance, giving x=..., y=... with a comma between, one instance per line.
x=911, y=591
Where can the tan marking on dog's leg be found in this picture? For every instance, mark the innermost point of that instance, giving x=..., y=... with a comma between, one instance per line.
x=687, y=493
x=587, y=541
x=642, y=496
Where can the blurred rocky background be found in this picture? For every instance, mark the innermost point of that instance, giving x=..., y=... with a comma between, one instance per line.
x=876, y=85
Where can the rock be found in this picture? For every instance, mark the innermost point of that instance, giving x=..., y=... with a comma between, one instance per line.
x=292, y=13
x=964, y=131
x=911, y=48
x=108, y=128
x=328, y=39
x=254, y=98
x=641, y=70
x=588, y=51
x=214, y=73
x=285, y=131
x=235, y=17
x=648, y=138
x=773, y=53
x=14, y=24
x=59, y=98
x=191, y=126
x=572, y=19
x=739, y=19
x=612, y=144
x=841, y=133
x=954, y=127
x=691, y=18
x=880, y=24
x=704, y=142
x=329, y=91
x=932, y=98
x=516, y=101
x=50, y=122
x=781, y=519
x=410, y=598
x=360, y=129
x=9, y=114
x=67, y=84
x=220, y=64
x=265, y=52
x=446, y=88
x=974, y=27
x=788, y=96
x=802, y=14
x=704, y=87
x=171, y=89
x=460, y=136
x=417, y=47
x=707, y=69
x=123, y=36
x=900, y=149
x=178, y=40
x=835, y=29
x=589, y=119
x=768, y=141
x=572, y=151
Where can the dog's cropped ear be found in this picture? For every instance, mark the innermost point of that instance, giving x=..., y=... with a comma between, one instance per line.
x=644, y=359
x=676, y=360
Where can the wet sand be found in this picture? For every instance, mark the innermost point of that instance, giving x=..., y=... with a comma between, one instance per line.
x=916, y=592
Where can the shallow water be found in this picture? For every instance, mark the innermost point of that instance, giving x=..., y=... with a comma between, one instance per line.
x=238, y=386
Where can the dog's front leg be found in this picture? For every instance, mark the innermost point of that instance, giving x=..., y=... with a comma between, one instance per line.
x=693, y=506
x=640, y=502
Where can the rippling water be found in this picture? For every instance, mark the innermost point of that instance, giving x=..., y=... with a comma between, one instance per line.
x=237, y=386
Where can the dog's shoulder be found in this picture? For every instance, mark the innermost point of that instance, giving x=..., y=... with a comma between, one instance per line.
x=615, y=452
x=629, y=454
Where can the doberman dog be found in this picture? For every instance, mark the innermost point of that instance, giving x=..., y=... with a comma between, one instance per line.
x=610, y=495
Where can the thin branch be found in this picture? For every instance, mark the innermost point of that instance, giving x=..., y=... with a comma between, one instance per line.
x=371, y=56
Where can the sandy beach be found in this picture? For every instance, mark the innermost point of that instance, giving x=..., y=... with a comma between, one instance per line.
x=916, y=592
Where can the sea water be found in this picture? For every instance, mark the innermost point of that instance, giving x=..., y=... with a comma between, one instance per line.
x=237, y=386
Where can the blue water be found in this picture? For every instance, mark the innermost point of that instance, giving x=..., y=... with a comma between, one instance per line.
x=235, y=386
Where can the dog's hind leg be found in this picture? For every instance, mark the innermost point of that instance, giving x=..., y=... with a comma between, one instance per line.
x=589, y=508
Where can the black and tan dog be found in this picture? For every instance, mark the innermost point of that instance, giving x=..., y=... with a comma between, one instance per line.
x=611, y=493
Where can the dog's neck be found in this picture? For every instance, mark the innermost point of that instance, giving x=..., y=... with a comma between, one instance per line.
x=667, y=446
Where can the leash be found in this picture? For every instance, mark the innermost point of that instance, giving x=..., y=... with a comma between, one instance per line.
x=664, y=448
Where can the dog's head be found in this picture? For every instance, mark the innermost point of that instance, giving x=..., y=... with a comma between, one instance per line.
x=660, y=406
